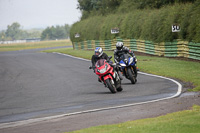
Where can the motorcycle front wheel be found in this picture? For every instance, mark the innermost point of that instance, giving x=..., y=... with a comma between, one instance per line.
x=111, y=86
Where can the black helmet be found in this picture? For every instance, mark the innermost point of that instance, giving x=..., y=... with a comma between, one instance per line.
x=119, y=45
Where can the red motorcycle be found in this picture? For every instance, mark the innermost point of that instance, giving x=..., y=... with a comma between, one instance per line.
x=108, y=75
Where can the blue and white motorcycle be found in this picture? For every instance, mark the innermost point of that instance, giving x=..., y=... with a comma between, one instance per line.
x=128, y=67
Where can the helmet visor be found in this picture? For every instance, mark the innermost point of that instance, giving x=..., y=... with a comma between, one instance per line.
x=119, y=48
x=97, y=53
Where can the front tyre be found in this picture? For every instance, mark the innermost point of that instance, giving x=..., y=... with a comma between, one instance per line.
x=111, y=86
x=131, y=75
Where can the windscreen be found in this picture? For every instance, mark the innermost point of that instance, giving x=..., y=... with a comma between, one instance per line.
x=100, y=62
x=124, y=56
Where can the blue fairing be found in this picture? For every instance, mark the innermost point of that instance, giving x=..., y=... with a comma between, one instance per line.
x=132, y=64
x=122, y=62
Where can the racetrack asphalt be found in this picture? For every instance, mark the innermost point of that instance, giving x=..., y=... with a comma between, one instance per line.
x=35, y=85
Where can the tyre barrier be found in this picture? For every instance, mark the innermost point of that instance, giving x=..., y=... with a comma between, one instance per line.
x=177, y=48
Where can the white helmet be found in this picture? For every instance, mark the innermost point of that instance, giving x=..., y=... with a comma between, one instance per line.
x=98, y=51
x=119, y=45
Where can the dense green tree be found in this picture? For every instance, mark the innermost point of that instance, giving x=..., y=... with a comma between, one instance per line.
x=2, y=36
x=58, y=32
x=85, y=5
x=91, y=8
x=97, y=7
x=46, y=34
x=14, y=31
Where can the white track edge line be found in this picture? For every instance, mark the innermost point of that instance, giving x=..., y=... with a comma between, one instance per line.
x=34, y=120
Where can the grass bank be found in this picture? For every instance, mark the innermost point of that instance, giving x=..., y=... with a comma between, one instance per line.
x=186, y=71
x=34, y=45
x=180, y=122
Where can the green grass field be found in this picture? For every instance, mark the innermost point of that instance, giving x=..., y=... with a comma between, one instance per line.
x=33, y=45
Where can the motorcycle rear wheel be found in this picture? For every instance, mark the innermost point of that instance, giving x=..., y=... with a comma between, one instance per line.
x=111, y=86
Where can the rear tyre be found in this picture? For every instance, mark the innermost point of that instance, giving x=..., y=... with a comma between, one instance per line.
x=131, y=76
x=111, y=86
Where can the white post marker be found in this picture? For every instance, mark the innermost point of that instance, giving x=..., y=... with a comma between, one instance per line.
x=114, y=30
x=176, y=28
x=77, y=35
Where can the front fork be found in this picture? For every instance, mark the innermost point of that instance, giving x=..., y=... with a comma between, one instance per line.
x=134, y=70
x=108, y=77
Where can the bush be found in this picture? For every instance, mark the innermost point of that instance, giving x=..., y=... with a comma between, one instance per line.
x=194, y=23
x=147, y=24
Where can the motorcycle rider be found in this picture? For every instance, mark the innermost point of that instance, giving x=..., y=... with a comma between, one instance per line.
x=121, y=49
x=99, y=54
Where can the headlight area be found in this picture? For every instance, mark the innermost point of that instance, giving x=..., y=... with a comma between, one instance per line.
x=121, y=64
x=104, y=69
x=131, y=60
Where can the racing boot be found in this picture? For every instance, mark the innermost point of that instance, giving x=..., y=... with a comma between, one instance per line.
x=99, y=80
x=121, y=78
x=118, y=69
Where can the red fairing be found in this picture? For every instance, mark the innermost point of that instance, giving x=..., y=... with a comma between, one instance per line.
x=103, y=68
x=107, y=77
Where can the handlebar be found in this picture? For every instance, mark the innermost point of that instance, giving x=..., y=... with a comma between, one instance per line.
x=91, y=67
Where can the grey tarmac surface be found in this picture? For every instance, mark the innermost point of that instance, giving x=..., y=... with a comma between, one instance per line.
x=35, y=85
x=114, y=116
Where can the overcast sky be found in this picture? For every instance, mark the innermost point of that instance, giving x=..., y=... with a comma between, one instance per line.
x=38, y=13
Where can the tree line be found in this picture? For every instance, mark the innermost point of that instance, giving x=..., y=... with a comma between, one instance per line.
x=15, y=32
x=56, y=32
x=104, y=7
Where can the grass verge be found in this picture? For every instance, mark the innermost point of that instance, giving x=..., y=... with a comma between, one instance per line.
x=186, y=71
x=34, y=45
x=179, y=122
